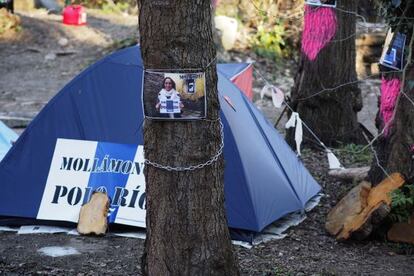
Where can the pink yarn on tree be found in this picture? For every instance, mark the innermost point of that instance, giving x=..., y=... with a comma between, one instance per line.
x=319, y=29
x=389, y=94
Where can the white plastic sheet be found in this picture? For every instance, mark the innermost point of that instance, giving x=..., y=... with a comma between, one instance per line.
x=296, y=122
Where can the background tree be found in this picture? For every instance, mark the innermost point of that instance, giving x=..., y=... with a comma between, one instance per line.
x=187, y=232
x=395, y=147
x=332, y=114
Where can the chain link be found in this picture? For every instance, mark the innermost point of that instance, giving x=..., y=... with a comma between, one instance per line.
x=192, y=167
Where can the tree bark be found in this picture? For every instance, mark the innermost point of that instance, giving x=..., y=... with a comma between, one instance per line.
x=395, y=150
x=187, y=232
x=326, y=94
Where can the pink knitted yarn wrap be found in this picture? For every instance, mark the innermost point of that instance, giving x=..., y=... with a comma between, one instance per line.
x=389, y=94
x=319, y=29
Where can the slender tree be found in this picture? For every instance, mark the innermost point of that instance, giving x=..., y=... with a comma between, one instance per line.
x=187, y=232
x=325, y=93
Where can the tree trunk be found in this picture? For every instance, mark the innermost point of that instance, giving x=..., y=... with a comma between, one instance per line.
x=395, y=150
x=187, y=232
x=395, y=147
x=325, y=93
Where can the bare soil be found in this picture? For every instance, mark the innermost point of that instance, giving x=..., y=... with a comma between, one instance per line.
x=36, y=63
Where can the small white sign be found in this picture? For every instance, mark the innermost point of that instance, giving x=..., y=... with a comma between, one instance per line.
x=170, y=106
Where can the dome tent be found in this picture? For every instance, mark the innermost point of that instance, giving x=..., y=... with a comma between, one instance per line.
x=264, y=180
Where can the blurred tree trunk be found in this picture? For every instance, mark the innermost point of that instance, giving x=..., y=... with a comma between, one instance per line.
x=187, y=232
x=331, y=114
x=395, y=148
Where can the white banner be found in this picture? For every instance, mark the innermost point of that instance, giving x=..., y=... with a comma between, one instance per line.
x=79, y=168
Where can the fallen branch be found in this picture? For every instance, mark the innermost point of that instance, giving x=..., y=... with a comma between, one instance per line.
x=353, y=174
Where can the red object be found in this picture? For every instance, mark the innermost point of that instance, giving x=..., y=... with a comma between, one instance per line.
x=244, y=81
x=74, y=15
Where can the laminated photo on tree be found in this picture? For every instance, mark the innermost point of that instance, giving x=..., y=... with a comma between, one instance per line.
x=393, y=52
x=174, y=96
x=322, y=3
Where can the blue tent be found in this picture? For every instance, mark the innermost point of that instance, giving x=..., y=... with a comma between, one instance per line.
x=264, y=180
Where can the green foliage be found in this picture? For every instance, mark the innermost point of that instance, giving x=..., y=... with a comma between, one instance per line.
x=109, y=6
x=402, y=205
x=268, y=42
x=9, y=22
x=119, y=7
x=266, y=28
x=355, y=154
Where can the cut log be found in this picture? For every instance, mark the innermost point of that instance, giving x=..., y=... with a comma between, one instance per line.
x=402, y=232
x=357, y=174
x=348, y=208
x=362, y=209
x=93, y=215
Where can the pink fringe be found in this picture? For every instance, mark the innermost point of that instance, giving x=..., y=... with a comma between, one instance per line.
x=389, y=94
x=319, y=29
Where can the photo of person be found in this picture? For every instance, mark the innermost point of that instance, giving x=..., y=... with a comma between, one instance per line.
x=169, y=100
x=323, y=3
x=174, y=96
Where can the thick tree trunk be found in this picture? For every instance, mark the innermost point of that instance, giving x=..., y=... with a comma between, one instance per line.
x=187, y=232
x=395, y=147
x=395, y=150
x=325, y=93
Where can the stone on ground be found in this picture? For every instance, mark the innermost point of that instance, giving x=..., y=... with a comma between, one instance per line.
x=402, y=232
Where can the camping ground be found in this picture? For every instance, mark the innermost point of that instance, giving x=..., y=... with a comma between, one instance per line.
x=46, y=55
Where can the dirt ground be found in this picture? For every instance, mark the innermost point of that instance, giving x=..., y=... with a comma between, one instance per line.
x=45, y=56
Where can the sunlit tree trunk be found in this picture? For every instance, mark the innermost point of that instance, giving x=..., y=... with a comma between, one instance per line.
x=187, y=232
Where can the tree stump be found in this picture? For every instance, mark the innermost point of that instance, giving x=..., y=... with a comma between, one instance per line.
x=362, y=209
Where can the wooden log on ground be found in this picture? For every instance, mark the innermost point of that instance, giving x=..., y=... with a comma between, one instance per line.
x=402, y=232
x=357, y=174
x=348, y=208
x=362, y=209
x=93, y=215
